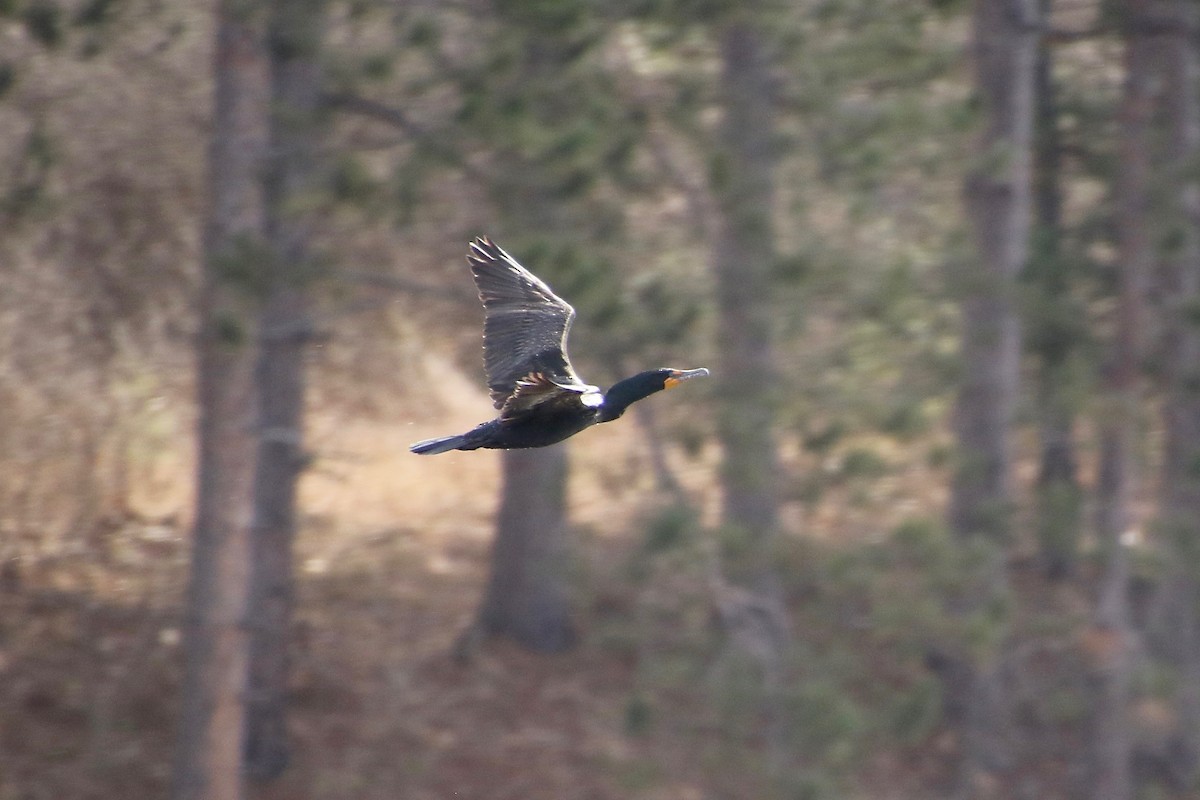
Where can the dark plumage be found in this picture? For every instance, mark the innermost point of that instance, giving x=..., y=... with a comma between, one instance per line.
x=532, y=382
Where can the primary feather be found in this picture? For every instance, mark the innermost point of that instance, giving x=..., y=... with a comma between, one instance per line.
x=525, y=325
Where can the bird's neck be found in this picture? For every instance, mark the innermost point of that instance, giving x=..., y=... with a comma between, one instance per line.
x=624, y=393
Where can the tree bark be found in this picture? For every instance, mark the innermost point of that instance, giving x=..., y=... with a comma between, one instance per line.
x=295, y=30
x=998, y=195
x=1179, y=633
x=1112, y=661
x=208, y=761
x=527, y=598
x=744, y=254
x=741, y=178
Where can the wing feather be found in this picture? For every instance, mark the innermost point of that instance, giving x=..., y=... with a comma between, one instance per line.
x=537, y=390
x=525, y=325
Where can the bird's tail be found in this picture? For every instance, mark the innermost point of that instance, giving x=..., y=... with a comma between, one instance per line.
x=441, y=444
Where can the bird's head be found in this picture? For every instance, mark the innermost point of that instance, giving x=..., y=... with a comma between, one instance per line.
x=628, y=391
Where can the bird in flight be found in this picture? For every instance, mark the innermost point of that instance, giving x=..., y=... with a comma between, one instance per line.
x=541, y=399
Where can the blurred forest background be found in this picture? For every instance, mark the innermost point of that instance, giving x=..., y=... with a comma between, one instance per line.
x=932, y=528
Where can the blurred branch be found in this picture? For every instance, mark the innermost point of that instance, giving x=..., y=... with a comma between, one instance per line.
x=430, y=140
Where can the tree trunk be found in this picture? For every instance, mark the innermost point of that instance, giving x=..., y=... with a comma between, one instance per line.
x=742, y=183
x=208, y=763
x=1112, y=662
x=526, y=597
x=744, y=254
x=1180, y=501
x=295, y=30
x=1052, y=338
x=998, y=195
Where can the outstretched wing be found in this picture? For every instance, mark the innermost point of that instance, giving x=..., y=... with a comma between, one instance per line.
x=525, y=324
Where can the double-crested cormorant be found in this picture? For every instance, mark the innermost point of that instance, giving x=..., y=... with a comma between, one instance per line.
x=532, y=382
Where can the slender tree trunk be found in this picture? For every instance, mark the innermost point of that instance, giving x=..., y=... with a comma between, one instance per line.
x=741, y=178
x=1112, y=662
x=1110, y=641
x=998, y=194
x=1180, y=501
x=742, y=183
x=208, y=763
x=1051, y=338
x=527, y=598
x=295, y=30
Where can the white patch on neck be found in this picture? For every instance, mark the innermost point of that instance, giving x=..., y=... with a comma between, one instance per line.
x=592, y=399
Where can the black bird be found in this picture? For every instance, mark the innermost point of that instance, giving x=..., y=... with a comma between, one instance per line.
x=532, y=382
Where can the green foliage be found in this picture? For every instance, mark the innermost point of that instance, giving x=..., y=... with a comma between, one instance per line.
x=863, y=462
x=948, y=6
x=791, y=268
x=545, y=16
x=913, y=713
x=638, y=716
x=1066, y=704
x=27, y=192
x=821, y=440
x=1191, y=310
x=8, y=77
x=809, y=785
x=244, y=266
x=695, y=12
x=39, y=149
x=906, y=420
x=95, y=12
x=378, y=66
x=1182, y=533
x=1059, y=520
x=934, y=576
x=740, y=555
x=408, y=181
x=918, y=536
x=229, y=329
x=639, y=775
x=87, y=25
x=425, y=32
x=1056, y=318
x=669, y=527
x=44, y=21
x=292, y=33
x=351, y=182
x=829, y=722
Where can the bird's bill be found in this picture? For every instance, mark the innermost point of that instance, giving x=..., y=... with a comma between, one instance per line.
x=678, y=376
